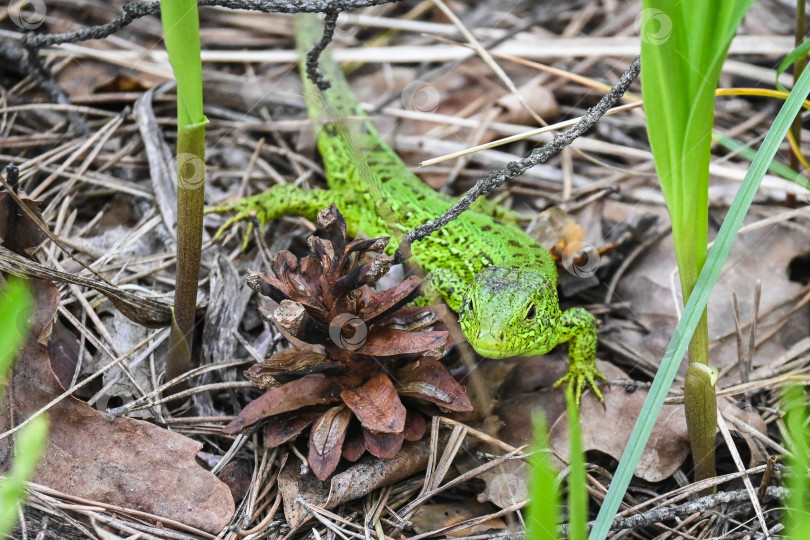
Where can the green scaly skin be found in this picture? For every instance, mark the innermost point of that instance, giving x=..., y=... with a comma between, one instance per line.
x=501, y=282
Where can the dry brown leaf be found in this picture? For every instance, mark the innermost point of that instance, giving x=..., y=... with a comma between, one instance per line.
x=506, y=484
x=355, y=444
x=377, y=405
x=536, y=95
x=415, y=426
x=764, y=253
x=431, y=517
x=605, y=428
x=125, y=462
x=237, y=476
x=17, y=232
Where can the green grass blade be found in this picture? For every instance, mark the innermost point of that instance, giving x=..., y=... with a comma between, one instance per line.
x=789, y=60
x=181, y=31
x=543, y=511
x=577, y=484
x=696, y=304
x=779, y=169
x=796, y=517
x=28, y=448
x=15, y=307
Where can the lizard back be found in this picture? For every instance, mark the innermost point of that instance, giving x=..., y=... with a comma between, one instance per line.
x=388, y=198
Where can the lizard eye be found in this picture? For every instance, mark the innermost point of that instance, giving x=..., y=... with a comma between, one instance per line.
x=532, y=313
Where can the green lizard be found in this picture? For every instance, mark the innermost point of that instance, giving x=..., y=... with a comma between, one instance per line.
x=502, y=283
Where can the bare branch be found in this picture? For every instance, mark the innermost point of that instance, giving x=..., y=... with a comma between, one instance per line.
x=135, y=10
x=329, y=24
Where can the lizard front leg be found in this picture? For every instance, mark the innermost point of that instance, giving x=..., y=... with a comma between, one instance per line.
x=282, y=200
x=578, y=326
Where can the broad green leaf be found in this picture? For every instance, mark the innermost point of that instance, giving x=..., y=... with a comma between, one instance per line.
x=682, y=51
x=28, y=448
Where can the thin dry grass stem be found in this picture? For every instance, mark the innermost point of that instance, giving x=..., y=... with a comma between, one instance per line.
x=55, y=498
x=408, y=511
x=321, y=515
x=487, y=58
x=142, y=402
x=99, y=136
x=797, y=300
x=63, y=107
x=521, y=136
x=749, y=487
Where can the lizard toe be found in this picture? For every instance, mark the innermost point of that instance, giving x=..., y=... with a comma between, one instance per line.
x=580, y=377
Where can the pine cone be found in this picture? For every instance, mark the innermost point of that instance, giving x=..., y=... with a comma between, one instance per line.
x=363, y=369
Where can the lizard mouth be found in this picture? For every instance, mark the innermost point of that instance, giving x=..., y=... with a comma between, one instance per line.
x=496, y=350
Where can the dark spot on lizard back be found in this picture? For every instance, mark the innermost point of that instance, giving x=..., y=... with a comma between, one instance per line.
x=514, y=243
x=486, y=228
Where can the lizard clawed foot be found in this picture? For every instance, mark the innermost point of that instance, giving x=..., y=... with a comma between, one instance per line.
x=242, y=214
x=581, y=375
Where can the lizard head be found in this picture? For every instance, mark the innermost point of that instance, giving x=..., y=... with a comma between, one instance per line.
x=510, y=312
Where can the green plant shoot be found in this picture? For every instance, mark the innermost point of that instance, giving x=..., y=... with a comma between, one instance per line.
x=797, y=514
x=15, y=307
x=543, y=512
x=577, y=483
x=181, y=30
x=696, y=305
x=683, y=46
